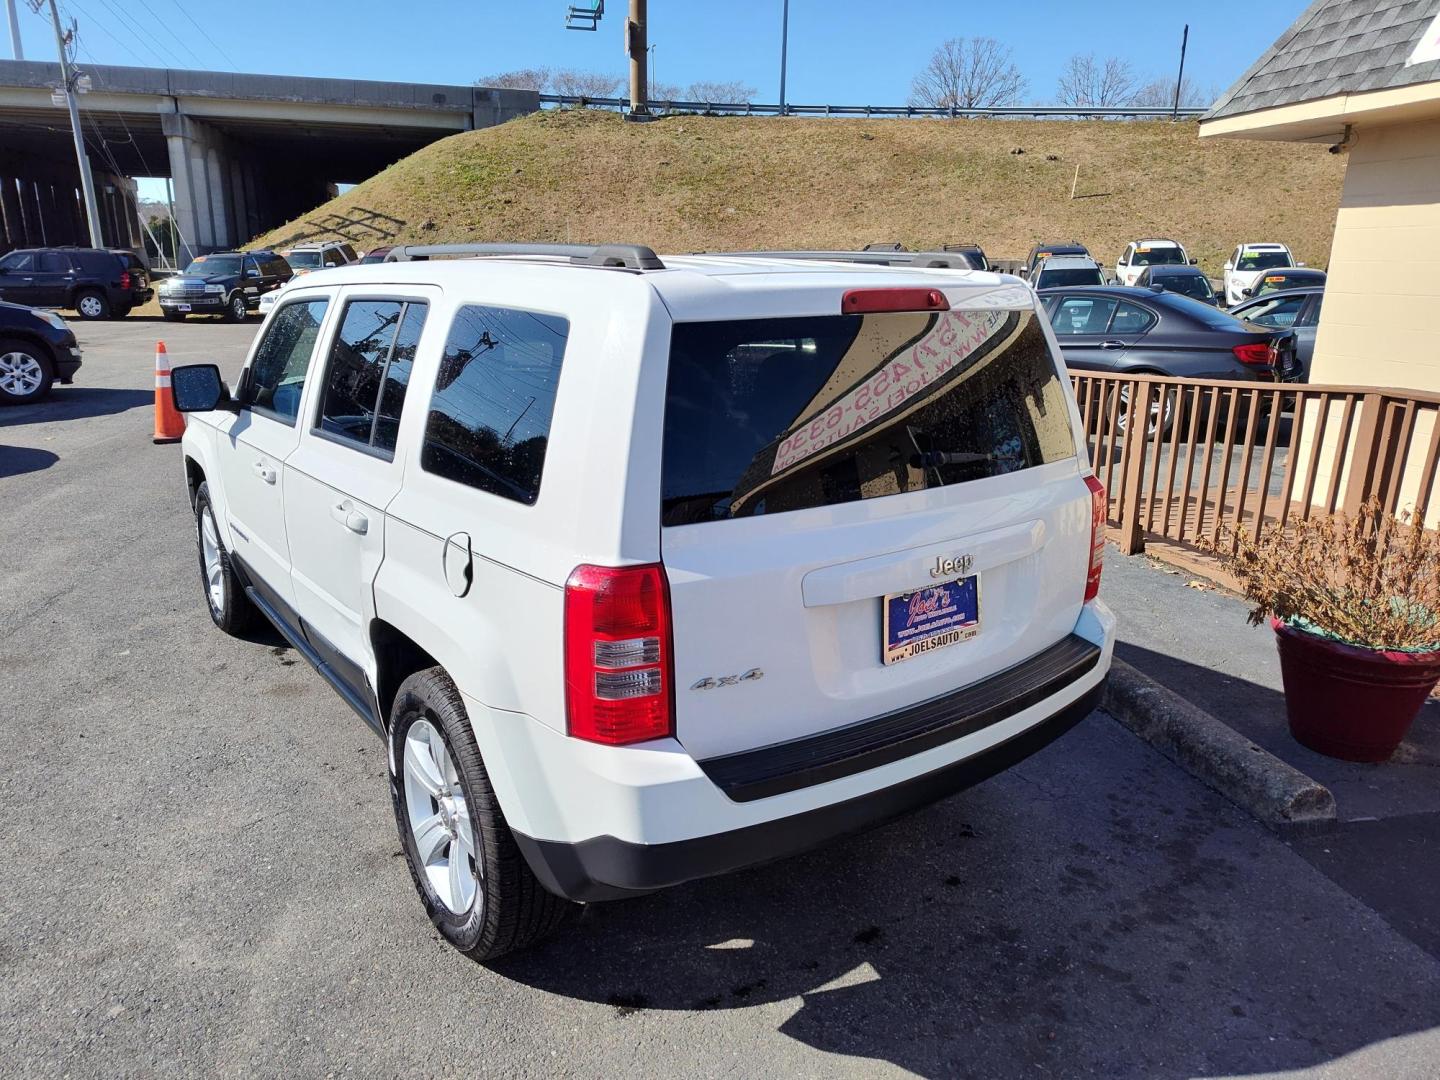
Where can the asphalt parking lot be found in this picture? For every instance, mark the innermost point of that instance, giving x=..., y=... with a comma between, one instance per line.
x=201, y=873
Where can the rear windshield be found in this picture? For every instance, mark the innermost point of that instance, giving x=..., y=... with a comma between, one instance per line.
x=1157, y=256
x=1205, y=314
x=309, y=259
x=1186, y=285
x=764, y=416
x=1079, y=275
x=1263, y=260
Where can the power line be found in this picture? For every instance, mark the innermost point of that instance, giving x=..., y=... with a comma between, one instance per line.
x=223, y=54
x=176, y=37
x=153, y=44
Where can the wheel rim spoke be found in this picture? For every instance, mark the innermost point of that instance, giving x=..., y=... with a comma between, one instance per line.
x=420, y=766
x=431, y=836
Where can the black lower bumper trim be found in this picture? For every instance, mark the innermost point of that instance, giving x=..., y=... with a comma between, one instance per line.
x=830, y=755
x=604, y=868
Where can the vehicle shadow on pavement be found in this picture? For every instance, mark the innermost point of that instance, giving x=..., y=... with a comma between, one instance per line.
x=1091, y=912
x=17, y=460
x=76, y=403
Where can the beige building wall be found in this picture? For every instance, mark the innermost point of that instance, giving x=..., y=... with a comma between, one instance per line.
x=1381, y=321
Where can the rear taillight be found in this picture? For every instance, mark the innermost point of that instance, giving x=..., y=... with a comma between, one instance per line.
x=864, y=301
x=125, y=279
x=1097, y=537
x=618, y=676
x=1259, y=353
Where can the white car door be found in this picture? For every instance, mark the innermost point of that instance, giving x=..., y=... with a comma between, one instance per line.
x=345, y=472
x=261, y=435
x=1122, y=265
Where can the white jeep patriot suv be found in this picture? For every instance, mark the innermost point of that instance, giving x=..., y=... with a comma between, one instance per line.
x=648, y=571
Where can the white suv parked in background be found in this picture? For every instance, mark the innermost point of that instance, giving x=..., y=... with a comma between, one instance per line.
x=648, y=571
x=1142, y=253
x=1245, y=265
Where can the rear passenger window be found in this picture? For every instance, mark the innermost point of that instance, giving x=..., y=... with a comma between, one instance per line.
x=277, y=376
x=494, y=395
x=54, y=262
x=369, y=370
x=1130, y=319
x=1082, y=315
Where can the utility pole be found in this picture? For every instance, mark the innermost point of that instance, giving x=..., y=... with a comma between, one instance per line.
x=17, y=47
x=67, y=76
x=636, y=46
x=1180, y=78
x=784, y=48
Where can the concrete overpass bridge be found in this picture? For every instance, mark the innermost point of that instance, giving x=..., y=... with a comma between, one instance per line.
x=245, y=152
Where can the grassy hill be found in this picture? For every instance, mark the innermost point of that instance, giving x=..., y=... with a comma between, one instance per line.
x=688, y=183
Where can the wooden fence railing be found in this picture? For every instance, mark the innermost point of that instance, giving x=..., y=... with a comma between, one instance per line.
x=1213, y=454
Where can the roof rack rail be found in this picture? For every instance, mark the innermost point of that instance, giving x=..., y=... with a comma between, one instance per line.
x=884, y=247
x=938, y=260
x=627, y=256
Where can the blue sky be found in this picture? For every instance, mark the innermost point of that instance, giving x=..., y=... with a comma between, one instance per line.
x=841, y=51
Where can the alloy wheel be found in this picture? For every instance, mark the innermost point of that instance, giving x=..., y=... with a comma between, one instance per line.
x=20, y=374
x=91, y=307
x=210, y=556
x=439, y=819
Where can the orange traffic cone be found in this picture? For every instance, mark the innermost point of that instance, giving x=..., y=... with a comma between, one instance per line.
x=169, y=423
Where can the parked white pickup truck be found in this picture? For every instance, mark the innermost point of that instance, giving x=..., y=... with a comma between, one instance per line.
x=648, y=570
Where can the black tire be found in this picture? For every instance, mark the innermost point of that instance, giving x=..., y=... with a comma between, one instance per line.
x=511, y=909
x=172, y=315
x=92, y=305
x=235, y=613
x=235, y=309
x=18, y=360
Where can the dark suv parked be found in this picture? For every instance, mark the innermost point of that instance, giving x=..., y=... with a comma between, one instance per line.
x=36, y=348
x=227, y=283
x=96, y=282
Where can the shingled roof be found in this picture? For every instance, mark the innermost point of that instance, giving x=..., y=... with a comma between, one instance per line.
x=1336, y=47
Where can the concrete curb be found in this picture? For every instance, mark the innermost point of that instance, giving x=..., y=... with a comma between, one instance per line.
x=1255, y=780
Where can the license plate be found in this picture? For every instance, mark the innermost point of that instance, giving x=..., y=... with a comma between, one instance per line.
x=182, y=307
x=929, y=618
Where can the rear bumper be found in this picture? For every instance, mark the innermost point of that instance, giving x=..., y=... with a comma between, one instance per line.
x=604, y=868
x=597, y=822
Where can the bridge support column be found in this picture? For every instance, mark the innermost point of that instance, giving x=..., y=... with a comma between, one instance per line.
x=209, y=206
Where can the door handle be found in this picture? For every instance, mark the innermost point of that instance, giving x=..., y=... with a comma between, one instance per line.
x=1112, y=345
x=346, y=514
x=265, y=472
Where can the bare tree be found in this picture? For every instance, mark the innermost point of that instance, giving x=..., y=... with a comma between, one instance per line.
x=1090, y=84
x=590, y=84
x=1160, y=93
x=968, y=73
x=522, y=79
x=725, y=93
x=663, y=91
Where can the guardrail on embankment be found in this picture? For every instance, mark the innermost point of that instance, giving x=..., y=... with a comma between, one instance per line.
x=1217, y=454
x=722, y=108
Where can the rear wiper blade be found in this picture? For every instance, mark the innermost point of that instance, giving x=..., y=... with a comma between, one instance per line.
x=930, y=459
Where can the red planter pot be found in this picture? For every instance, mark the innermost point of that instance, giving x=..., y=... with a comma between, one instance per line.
x=1351, y=703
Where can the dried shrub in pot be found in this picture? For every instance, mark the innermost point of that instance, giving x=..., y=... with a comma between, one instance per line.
x=1369, y=579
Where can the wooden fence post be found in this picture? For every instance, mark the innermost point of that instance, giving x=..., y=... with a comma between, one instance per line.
x=1367, y=469
x=1132, y=536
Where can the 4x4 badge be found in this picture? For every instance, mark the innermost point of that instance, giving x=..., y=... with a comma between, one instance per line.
x=708, y=683
x=956, y=567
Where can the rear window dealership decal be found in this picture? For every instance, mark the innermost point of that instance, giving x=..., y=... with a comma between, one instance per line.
x=907, y=378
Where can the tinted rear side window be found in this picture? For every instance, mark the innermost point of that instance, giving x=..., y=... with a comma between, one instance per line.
x=771, y=415
x=489, y=419
x=369, y=371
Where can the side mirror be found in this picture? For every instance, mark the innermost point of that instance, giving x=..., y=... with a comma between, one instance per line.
x=199, y=388
x=1194, y=262
x=1247, y=292
x=1299, y=264
x=1229, y=266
